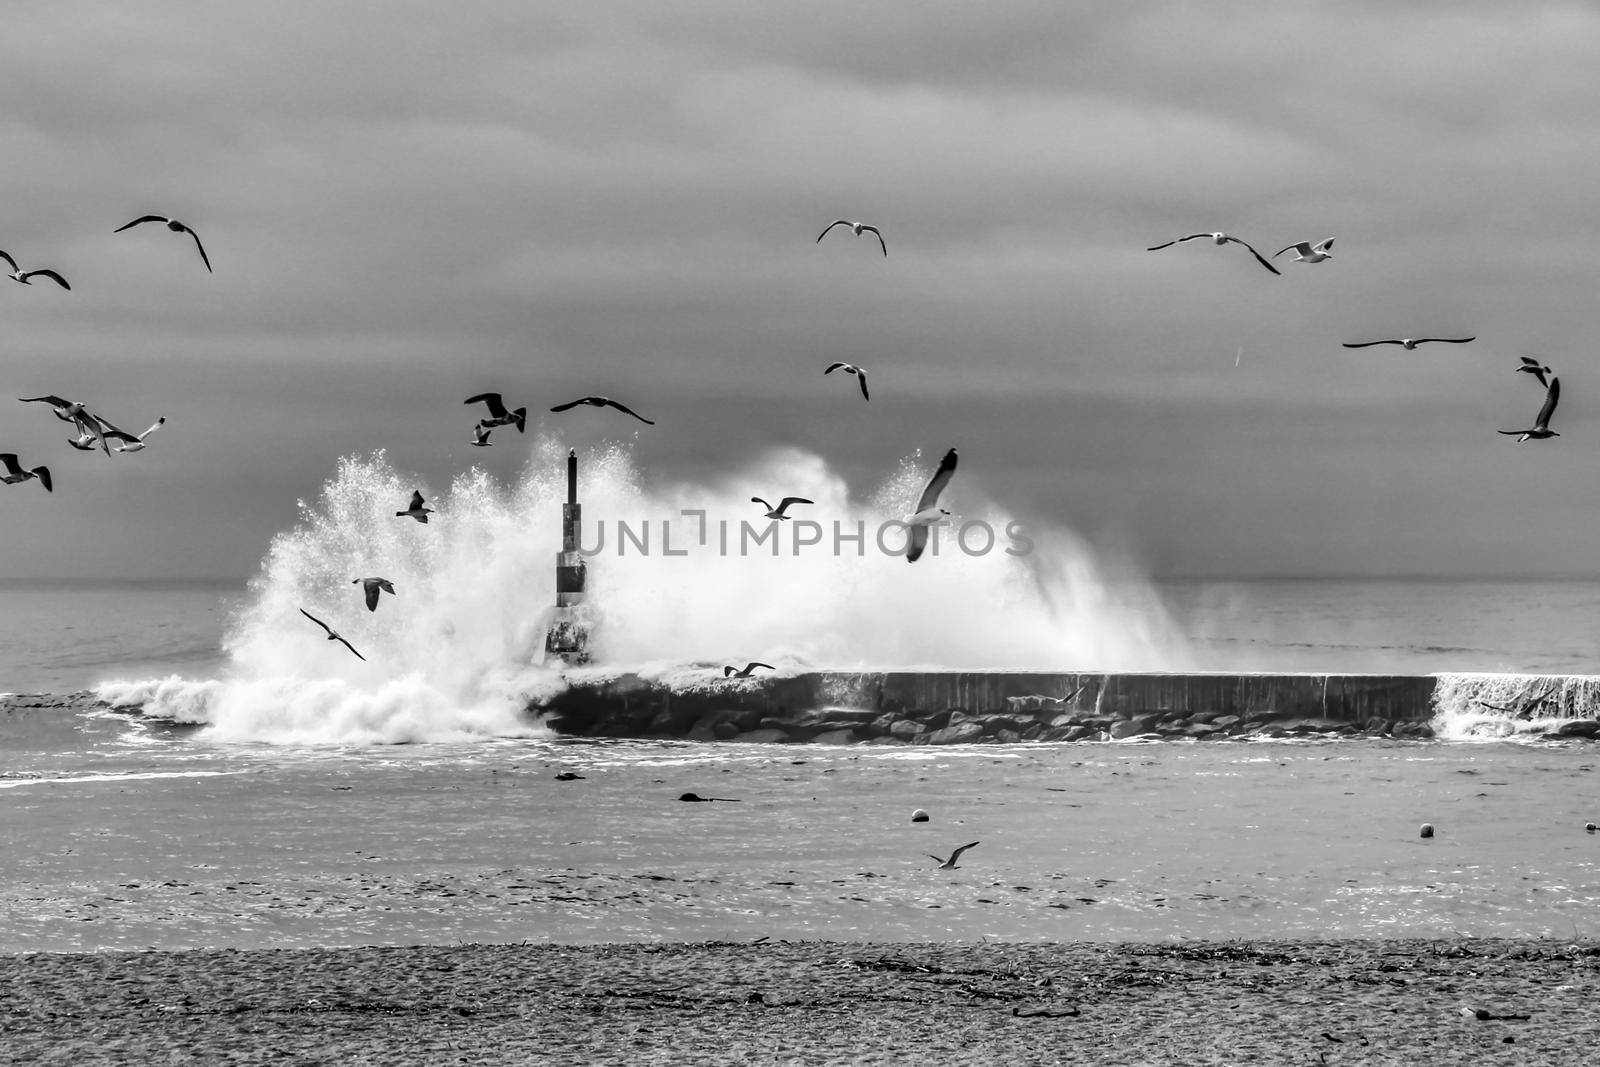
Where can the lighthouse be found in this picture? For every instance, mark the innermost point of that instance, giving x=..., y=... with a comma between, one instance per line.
x=568, y=638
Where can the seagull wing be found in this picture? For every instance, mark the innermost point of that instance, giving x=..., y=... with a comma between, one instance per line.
x=630, y=411
x=316, y=620
x=784, y=504
x=1169, y=244
x=570, y=404
x=416, y=499
x=1530, y=362
x=386, y=585
x=1369, y=344
x=1324, y=246
x=1303, y=247
x=1259, y=259
x=1552, y=395
x=48, y=274
x=936, y=484
x=916, y=541
x=137, y=221
x=874, y=230
x=370, y=587
x=89, y=425
x=7, y=257
x=203, y=257
x=748, y=667
x=9, y=460
x=862, y=376
x=43, y=474
x=820, y=236
x=1446, y=340
x=52, y=400
x=763, y=503
x=835, y=366
x=957, y=853
x=497, y=407
x=348, y=645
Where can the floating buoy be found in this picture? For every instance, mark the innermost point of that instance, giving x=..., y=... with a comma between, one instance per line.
x=921, y=816
x=1427, y=829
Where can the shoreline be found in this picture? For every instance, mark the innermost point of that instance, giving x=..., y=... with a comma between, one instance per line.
x=1191, y=1002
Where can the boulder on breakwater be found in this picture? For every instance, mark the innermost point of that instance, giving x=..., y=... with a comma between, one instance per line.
x=943, y=708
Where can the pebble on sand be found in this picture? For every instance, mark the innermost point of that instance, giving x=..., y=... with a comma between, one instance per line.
x=921, y=816
x=1590, y=827
x=1427, y=829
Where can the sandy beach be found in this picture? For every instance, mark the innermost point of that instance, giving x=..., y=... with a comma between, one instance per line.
x=1314, y=1002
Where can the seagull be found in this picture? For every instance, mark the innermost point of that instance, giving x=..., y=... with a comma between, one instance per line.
x=498, y=415
x=777, y=512
x=859, y=228
x=1409, y=343
x=416, y=510
x=1221, y=239
x=15, y=473
x=851, y=368
x=928, y=510
x=1541, y=425
x=950, y=864
x=126, y=442
x=730, y=672
x=176, y=227
x=90, y=428
x=23, y=275
x=1305, y=252
x=602, y=402
x=372, y=587
x=480, y=436
x=333, y=635
x=1535, y=368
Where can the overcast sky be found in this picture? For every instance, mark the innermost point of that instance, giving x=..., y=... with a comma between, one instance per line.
x=408, y=203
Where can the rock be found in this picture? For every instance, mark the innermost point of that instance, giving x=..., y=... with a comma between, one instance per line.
x=845, y=736
x=905, y=730
x=1427, y=830
x=919, y=816
x=1577, y=728
x=959, y=734
x=1130, y=728
x=766, y=736
x=1225, y=722
x=1006, y=736
x=725, y=730
x=1032, y=732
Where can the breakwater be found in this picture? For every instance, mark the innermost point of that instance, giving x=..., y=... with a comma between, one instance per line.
x=935, y=708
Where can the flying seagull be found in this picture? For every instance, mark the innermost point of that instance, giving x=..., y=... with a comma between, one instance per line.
x=480, y=436
x=603, y=402
x=777, y=512
x=928, y=509
x=1409, y=343
x=1221, y=239
x=950, y=864
x=1535, y=368
x=15, y=473
x=730, y=672
x=126, y=442
x=1541, y=425
x=90, y=429
x=176, y=227
x=1305, y=252
x=498, y=415
x=416, y=510
x=23, y=275
x=851, y=368
x=372, y=586
x=333, y=635
x=859, y=228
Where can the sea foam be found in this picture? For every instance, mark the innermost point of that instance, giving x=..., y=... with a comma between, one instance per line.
x=458, y=652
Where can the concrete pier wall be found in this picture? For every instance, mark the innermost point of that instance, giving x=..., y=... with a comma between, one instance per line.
x=922, y=707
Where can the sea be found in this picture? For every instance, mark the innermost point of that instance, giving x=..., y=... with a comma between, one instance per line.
x=257, y=785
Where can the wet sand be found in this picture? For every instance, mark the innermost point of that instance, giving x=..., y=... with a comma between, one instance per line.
x=1234, y=1002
